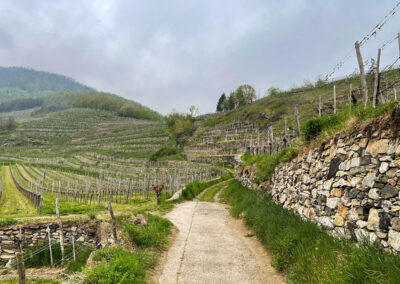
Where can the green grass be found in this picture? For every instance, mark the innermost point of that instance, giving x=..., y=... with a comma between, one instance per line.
x=303, y=251
x=121, y=266
x=265, y=164
x=7, y=222
x=152, y=235
x=68, y=207
x=209, y=195
x=195, y=188
x=13, y=203
x=80, y=262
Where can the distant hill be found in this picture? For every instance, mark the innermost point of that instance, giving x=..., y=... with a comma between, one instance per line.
x=20, y=82
x=23, y=89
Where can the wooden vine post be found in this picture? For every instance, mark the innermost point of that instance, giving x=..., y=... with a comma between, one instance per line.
x=319, y=109
x=376, y=82
x=362, y=73
x=50, y=250
x=114, y=226
x=21, y=268
x=334, y=99
x=60, y=227
x=296, y=114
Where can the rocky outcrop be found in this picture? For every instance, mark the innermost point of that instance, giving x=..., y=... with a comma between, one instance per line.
x=350, y=185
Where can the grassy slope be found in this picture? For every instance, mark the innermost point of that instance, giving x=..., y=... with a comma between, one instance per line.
x=13, y=203
x=305, y=252
x=281, y=107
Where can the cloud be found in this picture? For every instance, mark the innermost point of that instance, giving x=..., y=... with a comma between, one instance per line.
x=170, y=55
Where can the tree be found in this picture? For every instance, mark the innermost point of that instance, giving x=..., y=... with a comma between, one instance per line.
x=230, y=102
x=193, y=110
x=244, y=95
x=273, y=91
x=221, y=102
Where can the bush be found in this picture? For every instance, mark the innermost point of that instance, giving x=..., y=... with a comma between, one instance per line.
x=163, y=152
x=152, y=235
x=120, y=266
x=80, y=262
x=302, y=250
x=266, y=164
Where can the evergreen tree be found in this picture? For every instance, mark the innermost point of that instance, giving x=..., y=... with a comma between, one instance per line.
x=221, y=102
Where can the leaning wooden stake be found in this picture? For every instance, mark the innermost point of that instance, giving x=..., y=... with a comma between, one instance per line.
x=114, y=226
x=21, y=268
x=362, y=73
x=395, y=94
x=376, y=83
x=296, y=113
x=60, y=226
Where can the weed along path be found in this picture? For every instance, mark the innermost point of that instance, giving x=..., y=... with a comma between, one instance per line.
x=211, y=247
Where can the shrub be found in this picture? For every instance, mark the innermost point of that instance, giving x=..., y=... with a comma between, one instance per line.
x=152, y=235
x=80, y=262
x=266, y=164
x=163, y=152
x=120, y=266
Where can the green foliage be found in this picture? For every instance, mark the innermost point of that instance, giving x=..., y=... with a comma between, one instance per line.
x=122, y=107
x=32, y=281
x=180, y=127
x=41, y=258
x=80, y=262
x=244, y=95
x=164, y=152
x=120, y=266
x=302, y=250
x=68, y=207
x=36, y=82
x=335, y=122
x=221, y=102
x=20, y=104
x=273, y=91
x=265, y=164
x=7, y=222
x=152, y=235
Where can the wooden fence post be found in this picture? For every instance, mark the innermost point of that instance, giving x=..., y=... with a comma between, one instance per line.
x=21, y=268
x=319, y=109
x=296, y=113
x=60, y=227
x=73, y=247
x=376, y=83
x=50, y=250
x=362, y=73
x=395, y=94
x=114, y=226
x=334, y=99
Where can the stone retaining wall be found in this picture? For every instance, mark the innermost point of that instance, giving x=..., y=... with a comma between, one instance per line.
x=350, y=186
x=33, y=234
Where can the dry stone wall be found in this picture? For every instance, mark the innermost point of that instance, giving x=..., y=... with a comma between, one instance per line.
x=350, y=186
x=35, y=233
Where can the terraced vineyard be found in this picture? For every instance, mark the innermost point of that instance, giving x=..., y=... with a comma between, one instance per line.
x=88, y=157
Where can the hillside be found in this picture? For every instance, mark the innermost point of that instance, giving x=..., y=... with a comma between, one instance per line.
x=221, y=136
x=20, y=82
x=26, y=91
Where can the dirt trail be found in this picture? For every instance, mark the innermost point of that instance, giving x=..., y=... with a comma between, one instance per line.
x=211, y=247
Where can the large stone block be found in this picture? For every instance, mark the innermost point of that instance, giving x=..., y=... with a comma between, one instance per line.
x=394, y=239
x=377, y=147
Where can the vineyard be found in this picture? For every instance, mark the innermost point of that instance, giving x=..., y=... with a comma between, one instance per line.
x=88, y=157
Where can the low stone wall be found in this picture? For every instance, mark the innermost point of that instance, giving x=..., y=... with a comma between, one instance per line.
x=350, y=186
x=33, y=234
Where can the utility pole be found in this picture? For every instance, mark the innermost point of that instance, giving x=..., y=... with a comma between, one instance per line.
x=362, y=74
x=376, y=85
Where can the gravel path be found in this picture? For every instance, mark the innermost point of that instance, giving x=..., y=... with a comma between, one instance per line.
x=211, y=247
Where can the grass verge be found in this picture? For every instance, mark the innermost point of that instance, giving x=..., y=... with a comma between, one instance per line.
x=302, y=250
x=209, y=195
x=195, y=188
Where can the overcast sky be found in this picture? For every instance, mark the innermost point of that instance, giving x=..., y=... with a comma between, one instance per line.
x=172, y=54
